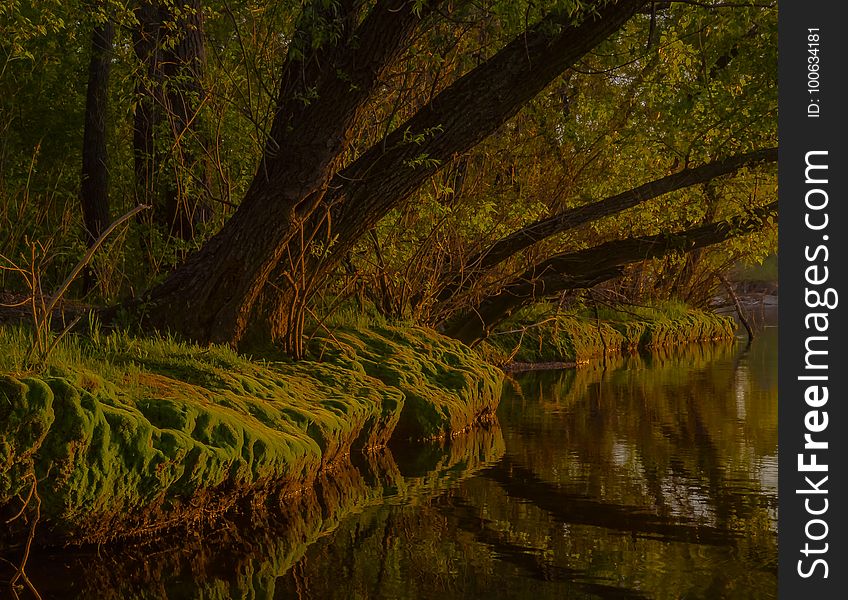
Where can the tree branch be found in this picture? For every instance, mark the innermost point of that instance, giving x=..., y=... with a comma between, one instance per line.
x=586, y=268
x=510, y=245
x=457, y=119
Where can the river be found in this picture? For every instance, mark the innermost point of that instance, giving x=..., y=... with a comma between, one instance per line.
x=650, y=476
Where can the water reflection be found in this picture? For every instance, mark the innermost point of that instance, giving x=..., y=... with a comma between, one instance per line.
x=245, y=558
x=652, y=478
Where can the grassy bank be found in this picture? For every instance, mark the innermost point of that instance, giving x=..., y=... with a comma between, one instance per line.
x=127, y=436
x=575, y=338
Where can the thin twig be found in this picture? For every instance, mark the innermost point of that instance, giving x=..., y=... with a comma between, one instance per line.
x=21, y=572
x=62, y=334
x=90, y=254
x=26, y=502
x=523, y=329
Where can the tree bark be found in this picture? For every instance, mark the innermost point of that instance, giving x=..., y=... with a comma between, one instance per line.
x=170, y=45
x=456, y=120
x=586, y=268
x=146, y=45
x=94, y=188
x=210, y=296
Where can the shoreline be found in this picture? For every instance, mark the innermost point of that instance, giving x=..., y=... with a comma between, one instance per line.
x=151, y=434
x=567, y=341
x=135, y=437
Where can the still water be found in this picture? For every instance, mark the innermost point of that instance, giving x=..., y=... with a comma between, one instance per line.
x=650, y=476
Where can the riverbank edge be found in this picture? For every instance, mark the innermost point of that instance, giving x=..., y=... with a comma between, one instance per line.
x=122, y=438
x=568, y=341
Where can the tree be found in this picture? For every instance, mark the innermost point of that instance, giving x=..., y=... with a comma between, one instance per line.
x=566, y=220
x=94, y=192
x=169, y=151
x=586, y=268
x=326, y=82
x=211, y=297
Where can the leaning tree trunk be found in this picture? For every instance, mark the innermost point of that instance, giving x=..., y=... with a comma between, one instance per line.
x=589, y=267
x=94, y=188
x=456, y=120
x=506, y=247
x=210, y=296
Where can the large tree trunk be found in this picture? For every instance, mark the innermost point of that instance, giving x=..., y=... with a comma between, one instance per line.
x=94, y=189
x=589, y=267
x=456, y=120
x=209, y=298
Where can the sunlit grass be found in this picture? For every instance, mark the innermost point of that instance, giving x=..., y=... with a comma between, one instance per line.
x=114, y=355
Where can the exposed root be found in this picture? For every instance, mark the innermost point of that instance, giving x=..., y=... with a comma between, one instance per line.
x=20, y=570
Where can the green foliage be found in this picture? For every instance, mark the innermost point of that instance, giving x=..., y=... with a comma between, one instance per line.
x=689, y=85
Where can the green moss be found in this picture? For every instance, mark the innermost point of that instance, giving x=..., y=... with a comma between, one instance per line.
x=446, y=387
x=658, y=330
x=565, y=338
x=135, y=432
x=576, y=338
x=26, y=416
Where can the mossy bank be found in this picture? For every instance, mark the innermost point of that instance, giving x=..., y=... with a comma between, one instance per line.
x=575, y=338
x=128, y=436
x=117, y=436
